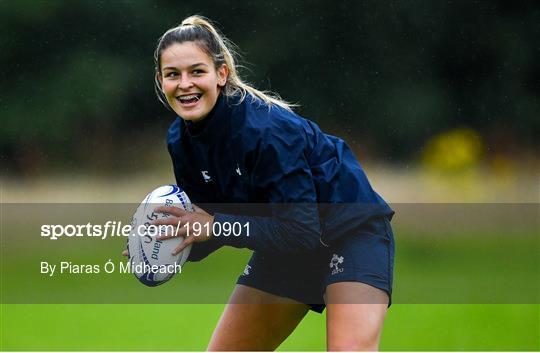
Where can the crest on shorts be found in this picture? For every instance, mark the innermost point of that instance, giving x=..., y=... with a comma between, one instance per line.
x=335, y=262
x=246, y=270
x=206, y=177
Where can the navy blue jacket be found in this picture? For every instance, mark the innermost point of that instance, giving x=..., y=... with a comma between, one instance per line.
x=249, y=153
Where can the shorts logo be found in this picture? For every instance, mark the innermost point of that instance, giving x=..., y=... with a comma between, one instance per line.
x=207, y=178
x=246, y=270
x=336, y=260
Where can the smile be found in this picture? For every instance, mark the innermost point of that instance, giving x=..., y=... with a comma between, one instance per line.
x=189, y=99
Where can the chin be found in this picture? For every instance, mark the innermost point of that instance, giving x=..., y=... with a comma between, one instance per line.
x=187, y=115
x=191, y=117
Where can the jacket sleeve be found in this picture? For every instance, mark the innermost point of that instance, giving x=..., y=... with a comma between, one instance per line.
x=282, y=173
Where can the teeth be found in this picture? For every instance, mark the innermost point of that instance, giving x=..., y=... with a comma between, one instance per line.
x=186, y=98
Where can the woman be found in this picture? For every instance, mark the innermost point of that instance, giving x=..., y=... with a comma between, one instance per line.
x=324, y=238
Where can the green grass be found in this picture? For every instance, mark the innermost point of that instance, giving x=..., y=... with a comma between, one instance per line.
x=188, y=327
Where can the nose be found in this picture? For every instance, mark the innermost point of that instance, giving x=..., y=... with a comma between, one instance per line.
x=184, y=82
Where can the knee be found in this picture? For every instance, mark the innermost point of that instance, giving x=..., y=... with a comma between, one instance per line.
x=353, y=347
x=362, y=343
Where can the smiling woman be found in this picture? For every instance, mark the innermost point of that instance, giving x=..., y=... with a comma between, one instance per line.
x=211, y=65
x=232, y=143
x=190, y=81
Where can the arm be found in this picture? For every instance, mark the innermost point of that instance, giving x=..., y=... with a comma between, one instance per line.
x=289, y=222
x=281, y=172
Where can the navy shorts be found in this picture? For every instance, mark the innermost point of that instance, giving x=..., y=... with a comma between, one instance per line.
x=367, y=257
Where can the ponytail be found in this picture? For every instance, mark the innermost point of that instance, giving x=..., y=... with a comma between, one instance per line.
x=200, y=30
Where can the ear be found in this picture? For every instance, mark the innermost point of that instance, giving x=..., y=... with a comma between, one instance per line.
x=223, y=74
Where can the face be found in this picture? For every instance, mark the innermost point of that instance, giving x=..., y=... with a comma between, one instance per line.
x=190, y=81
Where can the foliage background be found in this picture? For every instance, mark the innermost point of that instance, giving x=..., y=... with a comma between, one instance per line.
x=77, y=76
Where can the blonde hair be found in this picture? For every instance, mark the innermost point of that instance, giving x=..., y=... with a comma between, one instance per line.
x=202, y=32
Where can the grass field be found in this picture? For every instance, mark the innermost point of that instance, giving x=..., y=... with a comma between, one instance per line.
x=188, y=327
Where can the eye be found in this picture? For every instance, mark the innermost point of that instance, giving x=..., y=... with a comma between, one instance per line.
x=171, y=74
x=198, y=72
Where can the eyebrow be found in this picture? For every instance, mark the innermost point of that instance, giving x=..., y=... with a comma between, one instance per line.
x=190, y=67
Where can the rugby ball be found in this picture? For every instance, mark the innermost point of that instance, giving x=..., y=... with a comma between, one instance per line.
x=152, y=261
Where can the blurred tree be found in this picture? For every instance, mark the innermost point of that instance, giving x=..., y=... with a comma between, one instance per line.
x=77, y=77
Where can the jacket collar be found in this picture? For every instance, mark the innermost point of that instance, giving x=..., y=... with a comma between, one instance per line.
x=215, y=125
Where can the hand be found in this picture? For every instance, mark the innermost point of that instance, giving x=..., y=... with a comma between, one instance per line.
x=180, y=218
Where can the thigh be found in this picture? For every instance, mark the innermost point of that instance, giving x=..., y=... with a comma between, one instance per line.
x=300, y=277
x=354, y=316
x=255, y=320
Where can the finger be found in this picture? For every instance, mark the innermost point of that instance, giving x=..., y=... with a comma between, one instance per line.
x=125, y=253
x=179, y=232
x=165, y=236
x=182, y=246
x=173, y=221
x=175, y=211
x=197, y=209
